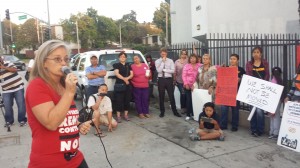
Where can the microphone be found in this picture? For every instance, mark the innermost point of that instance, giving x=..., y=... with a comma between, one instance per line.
x=66, y=70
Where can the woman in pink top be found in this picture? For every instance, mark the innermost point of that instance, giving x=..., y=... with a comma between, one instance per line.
x=179, y=64
x=141, y=74
x=189, y=75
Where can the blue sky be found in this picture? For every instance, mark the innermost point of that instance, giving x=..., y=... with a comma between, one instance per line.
x=61, y=9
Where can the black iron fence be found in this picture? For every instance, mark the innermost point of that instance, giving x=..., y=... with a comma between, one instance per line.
x=279, y=49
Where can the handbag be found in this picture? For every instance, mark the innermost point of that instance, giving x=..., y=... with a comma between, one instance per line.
x=120, y=87
x=27, y=75
x=86, y=113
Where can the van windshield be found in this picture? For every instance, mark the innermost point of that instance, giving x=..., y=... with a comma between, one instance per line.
x=108, y=60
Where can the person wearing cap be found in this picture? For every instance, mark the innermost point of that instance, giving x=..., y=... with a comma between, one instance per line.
x=95, y=74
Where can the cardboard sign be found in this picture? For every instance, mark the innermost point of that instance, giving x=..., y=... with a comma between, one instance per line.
x=226, y=89
x=259, y=93
x=289, y=135
x=199, y=98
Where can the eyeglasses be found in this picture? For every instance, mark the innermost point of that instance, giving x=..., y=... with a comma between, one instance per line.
x=59, y=60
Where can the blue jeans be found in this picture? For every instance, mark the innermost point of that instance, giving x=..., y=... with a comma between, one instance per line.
x=8, y=101
x=235, y=116
x=258, y=121
x=182, y=95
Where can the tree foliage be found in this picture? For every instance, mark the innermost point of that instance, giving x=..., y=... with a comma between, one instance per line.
x=94, y=30
x=159, y=20
x=27, y=35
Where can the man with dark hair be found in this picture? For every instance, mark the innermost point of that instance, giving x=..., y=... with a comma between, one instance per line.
x=95, y=74
x=12, y=88
x=165, y=68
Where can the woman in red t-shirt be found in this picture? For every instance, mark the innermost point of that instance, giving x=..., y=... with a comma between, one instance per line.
x=141, y=75
x=52, y=113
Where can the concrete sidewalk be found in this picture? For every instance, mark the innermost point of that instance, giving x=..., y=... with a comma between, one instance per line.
x=159, y=143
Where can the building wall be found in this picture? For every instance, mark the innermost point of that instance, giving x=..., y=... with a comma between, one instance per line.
x=250, y=16
x=181, y=19
x=232, y=16
x=58, y=32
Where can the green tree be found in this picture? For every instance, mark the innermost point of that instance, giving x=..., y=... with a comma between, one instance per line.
x=86, y=29
x=159, y=20
x=107, y=30
x=6, y=33
x=27, y=35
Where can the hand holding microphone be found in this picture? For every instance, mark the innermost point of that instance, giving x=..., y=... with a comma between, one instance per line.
x=71, y=79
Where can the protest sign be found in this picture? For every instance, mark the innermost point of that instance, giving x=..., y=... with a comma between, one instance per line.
x=199, y=98
x=289, y=134
x=177, y=98
x=226, y=89
x=259, y=93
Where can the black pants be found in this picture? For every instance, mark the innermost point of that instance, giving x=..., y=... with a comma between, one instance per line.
x=83, y=164
x=166, y=84
x=189, y=103
x=123, y=99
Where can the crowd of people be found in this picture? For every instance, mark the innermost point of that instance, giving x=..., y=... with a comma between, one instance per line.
x=52, y=113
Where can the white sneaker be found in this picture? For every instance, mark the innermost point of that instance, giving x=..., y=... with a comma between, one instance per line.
x=187, y=118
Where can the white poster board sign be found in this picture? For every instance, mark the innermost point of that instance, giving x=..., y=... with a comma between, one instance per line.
x=177, y=97
x=199, y=98
x=289, y=135
x=259, y=93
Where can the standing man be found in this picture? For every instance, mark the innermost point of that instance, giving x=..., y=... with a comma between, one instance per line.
x=165, y=69
x=95, y=74
x=12, y=88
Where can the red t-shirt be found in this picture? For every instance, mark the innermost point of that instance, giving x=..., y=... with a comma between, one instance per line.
x=48, y=148
x=139, y=79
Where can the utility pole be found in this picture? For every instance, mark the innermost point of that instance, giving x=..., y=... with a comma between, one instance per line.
x=77, y=36
x=167, y=31
x=120, y=30
x=1, y=37
x=37, y=30
x=48, y=19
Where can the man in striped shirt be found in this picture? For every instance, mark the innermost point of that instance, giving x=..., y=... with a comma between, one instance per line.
x=12, y=88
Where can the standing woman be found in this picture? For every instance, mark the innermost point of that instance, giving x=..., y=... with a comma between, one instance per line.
x=122, y=88
x=141, y=74
x=52, y=113
x=207, y=76
x=152, y=67
x=179, y=64
x=259, y=68
x=189, y=75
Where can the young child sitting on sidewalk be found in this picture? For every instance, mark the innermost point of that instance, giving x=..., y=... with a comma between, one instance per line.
x=209, y=128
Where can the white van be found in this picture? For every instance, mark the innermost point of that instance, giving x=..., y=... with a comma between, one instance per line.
x=106, y=58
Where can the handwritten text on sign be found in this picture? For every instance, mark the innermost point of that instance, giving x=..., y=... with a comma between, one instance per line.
x=259, y=93
x=226, y=90
x=289, y=135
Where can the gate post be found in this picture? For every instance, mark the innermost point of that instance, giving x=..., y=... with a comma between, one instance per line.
x=285, y=65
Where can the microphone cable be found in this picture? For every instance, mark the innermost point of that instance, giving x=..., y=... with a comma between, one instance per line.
x=98, y=133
